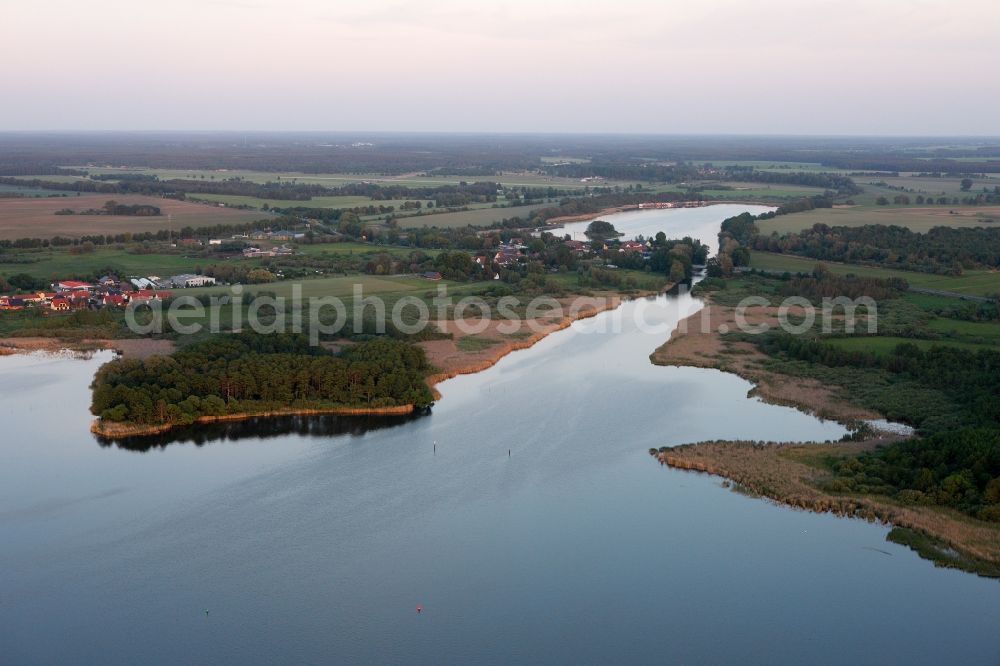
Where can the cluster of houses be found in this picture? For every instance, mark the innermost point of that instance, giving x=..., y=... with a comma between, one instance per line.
x=108, y=292
x=508, y=254
x=73, y=295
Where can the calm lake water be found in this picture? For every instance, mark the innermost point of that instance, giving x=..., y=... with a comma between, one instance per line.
x=701, y=223
x=314, y=541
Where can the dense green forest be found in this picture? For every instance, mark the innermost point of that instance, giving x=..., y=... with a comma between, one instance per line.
x=959, y=469
x=246, y=372
x=966, y=383
x=944, y=250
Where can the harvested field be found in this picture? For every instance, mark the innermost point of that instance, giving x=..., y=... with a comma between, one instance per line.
x=36, y=218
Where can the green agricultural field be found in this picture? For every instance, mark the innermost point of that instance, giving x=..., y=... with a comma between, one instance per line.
x=929, y=302
x=340, y=287
x=981, y=332
x=916, y=218
x=570, y=281
x=52, y=265
x=340, y=249
x=54, y=178
x=926, y=185
x=977, y=283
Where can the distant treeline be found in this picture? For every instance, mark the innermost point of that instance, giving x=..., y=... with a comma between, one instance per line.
x=115, y=208
x=942, y=250
x=664, y=157
x=642, y=171
x=842, y=185
x=246, y=372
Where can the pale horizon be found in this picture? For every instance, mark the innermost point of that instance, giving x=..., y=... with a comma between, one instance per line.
x=778, y=68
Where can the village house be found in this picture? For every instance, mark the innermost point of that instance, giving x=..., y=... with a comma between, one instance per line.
x=114, y=300
x=506, y=257
x=11, y=303
x=632, y=246
x=147, y=295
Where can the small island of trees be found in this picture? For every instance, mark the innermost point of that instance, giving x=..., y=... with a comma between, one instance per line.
x=250, y=373
x=601, y=230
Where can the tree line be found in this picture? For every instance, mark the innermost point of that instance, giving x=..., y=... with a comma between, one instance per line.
x=942, y=250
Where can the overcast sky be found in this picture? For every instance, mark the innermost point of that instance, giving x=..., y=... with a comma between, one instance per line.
x=667, y=66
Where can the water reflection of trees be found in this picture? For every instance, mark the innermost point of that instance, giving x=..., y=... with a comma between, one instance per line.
x=258, y=428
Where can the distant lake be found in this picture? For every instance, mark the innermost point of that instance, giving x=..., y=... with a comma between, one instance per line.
x=539, y=531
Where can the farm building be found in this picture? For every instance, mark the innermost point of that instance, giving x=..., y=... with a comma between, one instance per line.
x=73, y=285
x=191, y=280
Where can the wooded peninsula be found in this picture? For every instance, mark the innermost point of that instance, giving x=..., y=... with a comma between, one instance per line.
x=250, y=374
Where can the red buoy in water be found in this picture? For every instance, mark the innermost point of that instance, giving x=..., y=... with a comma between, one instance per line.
x=420, y=609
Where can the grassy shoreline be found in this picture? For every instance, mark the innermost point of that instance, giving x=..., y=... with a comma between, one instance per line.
x=791, y=474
